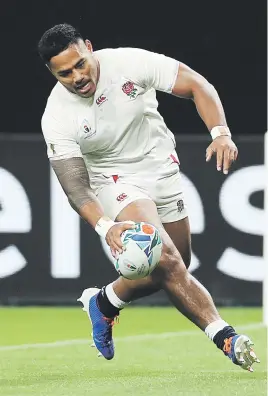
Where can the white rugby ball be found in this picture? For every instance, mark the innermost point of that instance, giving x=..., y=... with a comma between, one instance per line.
x=143, y=251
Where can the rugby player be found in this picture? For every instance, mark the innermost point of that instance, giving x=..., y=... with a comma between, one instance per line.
x=115, y=159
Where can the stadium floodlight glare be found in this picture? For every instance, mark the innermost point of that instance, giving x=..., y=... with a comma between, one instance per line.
x=265, y=237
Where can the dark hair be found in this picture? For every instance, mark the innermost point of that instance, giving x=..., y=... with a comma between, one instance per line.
x=56, y=40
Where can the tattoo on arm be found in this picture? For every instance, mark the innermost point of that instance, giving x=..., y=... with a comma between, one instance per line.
x=73, y=177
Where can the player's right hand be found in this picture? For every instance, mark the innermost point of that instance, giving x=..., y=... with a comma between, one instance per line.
x=113, y=236
x=225, y=150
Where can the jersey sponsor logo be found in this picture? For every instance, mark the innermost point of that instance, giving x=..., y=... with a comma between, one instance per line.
x=129, y=89
x=101, y=99
x=121, y=197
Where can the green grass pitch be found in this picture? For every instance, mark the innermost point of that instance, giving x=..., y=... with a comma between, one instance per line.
x=46, y=352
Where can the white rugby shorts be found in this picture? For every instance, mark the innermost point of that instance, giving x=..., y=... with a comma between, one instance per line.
x=163, y=187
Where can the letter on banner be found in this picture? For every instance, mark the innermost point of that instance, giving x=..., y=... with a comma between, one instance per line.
x=240, y=214
x=65, y=234
x=196, y=214
x=15, y=217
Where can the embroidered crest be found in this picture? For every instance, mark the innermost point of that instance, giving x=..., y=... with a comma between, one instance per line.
x=180, y=205
x=87, y=130
x=129, y=89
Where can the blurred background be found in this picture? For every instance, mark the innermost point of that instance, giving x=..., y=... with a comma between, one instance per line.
x=47, y=256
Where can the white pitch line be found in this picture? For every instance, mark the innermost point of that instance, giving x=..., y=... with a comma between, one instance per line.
x=138, y=337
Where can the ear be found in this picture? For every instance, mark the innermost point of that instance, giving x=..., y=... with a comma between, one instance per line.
x=89, y=45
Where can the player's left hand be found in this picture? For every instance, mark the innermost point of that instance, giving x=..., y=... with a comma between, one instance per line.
x=225, y=150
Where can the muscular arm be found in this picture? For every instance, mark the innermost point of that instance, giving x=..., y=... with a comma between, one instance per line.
x=189, y=84
x=73, y=177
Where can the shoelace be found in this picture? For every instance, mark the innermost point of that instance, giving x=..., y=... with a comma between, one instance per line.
x=227, y=345
x=108, y=331
x=112, y=321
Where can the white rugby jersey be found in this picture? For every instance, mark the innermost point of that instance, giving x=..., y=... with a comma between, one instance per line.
x=118, y=130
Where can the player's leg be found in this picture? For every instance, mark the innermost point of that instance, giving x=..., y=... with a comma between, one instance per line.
x=115, y=296
x=186, y=293
x=179, y=232
x=173, y=215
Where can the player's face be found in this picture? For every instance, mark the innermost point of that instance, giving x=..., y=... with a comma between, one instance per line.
x=76, y=69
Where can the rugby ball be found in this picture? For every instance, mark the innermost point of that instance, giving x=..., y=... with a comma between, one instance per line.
x=143, y=247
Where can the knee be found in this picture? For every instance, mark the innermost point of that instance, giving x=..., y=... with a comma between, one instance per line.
x=171, y=263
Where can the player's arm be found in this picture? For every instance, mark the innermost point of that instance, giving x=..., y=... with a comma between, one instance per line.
x=189, y=84
x=73, y=177
x=168, y=75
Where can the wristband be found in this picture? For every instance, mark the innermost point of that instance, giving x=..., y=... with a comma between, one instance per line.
x=103, y=226
x=220, y=131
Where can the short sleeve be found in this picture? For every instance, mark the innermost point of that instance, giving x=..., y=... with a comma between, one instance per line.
x=152, y=70
x=60, y=138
